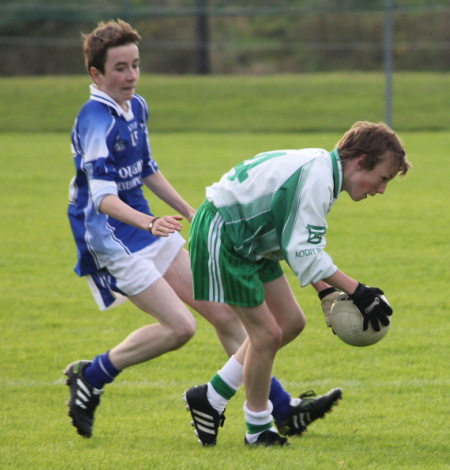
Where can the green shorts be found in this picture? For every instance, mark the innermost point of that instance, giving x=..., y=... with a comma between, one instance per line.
x=219, y=273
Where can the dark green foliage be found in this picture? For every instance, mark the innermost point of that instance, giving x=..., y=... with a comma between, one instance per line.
x=245, y=37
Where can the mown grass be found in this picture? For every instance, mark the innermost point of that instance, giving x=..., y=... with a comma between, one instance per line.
x=393, y=415
x=287, y=103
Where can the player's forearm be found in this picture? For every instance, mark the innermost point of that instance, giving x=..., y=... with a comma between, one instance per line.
x=111, y=205
x=341, y=281
x=158, y=184
x=320, y=285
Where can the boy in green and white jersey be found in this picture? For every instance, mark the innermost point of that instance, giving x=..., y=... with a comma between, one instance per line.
x=269, y=208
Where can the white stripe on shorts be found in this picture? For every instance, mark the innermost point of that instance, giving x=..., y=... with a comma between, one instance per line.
x=216, y=291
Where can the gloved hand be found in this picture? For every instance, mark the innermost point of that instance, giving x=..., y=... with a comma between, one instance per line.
x=372, y=306
x=328, y=297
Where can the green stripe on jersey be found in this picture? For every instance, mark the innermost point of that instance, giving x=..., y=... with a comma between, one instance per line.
x=285, y=204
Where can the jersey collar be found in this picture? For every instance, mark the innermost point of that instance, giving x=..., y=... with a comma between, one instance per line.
x=104, y=98
x=337, y=172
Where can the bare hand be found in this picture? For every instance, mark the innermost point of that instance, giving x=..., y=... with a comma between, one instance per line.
x=166, y=225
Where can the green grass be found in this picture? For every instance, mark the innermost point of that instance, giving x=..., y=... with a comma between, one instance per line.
x=394, y=411
x=288, y=103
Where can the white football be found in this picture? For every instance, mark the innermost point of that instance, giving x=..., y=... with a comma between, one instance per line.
x=347, y=323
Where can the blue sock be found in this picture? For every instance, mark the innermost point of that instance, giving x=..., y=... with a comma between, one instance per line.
x=101, y=371
x=280, y=400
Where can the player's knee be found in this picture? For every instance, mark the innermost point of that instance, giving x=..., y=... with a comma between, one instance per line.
x=298, y=325
x=293, y=327
x=183, y=332
x=277, y=338
x=269, y=340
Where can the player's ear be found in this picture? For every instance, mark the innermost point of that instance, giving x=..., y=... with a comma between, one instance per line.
x=95, y=74
x=360, y=161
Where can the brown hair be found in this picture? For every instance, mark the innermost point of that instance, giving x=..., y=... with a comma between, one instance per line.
x=376, y=142
x=106, y=35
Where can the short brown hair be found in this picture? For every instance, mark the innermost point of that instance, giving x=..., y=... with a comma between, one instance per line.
x=106, y=35
x=375, y=141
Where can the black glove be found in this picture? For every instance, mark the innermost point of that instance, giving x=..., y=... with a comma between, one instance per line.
x=372, y=307
x=325, y=292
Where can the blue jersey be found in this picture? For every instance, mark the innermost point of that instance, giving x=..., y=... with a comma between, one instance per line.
x=112, y=155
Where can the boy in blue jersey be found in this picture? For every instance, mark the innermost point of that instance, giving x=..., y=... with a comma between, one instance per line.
x=122, y=248
x=269, y=208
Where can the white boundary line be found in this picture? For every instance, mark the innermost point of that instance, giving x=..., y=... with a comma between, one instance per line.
x=290, y=385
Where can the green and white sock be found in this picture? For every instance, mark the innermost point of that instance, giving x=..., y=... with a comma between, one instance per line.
x=225, y=384
x=258, y=422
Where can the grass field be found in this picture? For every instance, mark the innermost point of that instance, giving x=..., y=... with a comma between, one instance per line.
x=396, y=400
x=286, y=103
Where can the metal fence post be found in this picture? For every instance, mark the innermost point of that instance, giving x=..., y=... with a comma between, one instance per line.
x=202, y=38
x=388, y=63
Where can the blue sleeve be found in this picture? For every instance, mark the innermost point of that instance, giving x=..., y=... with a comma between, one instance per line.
x=96, y=138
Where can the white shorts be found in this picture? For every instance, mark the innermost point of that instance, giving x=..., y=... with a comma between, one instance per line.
x=132, y=274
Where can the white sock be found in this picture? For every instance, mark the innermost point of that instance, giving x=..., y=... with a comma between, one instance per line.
x=258, y=418
x=218, y=402
x=232, y=373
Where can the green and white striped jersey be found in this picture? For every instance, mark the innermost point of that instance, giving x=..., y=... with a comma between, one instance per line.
x=275, y=205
